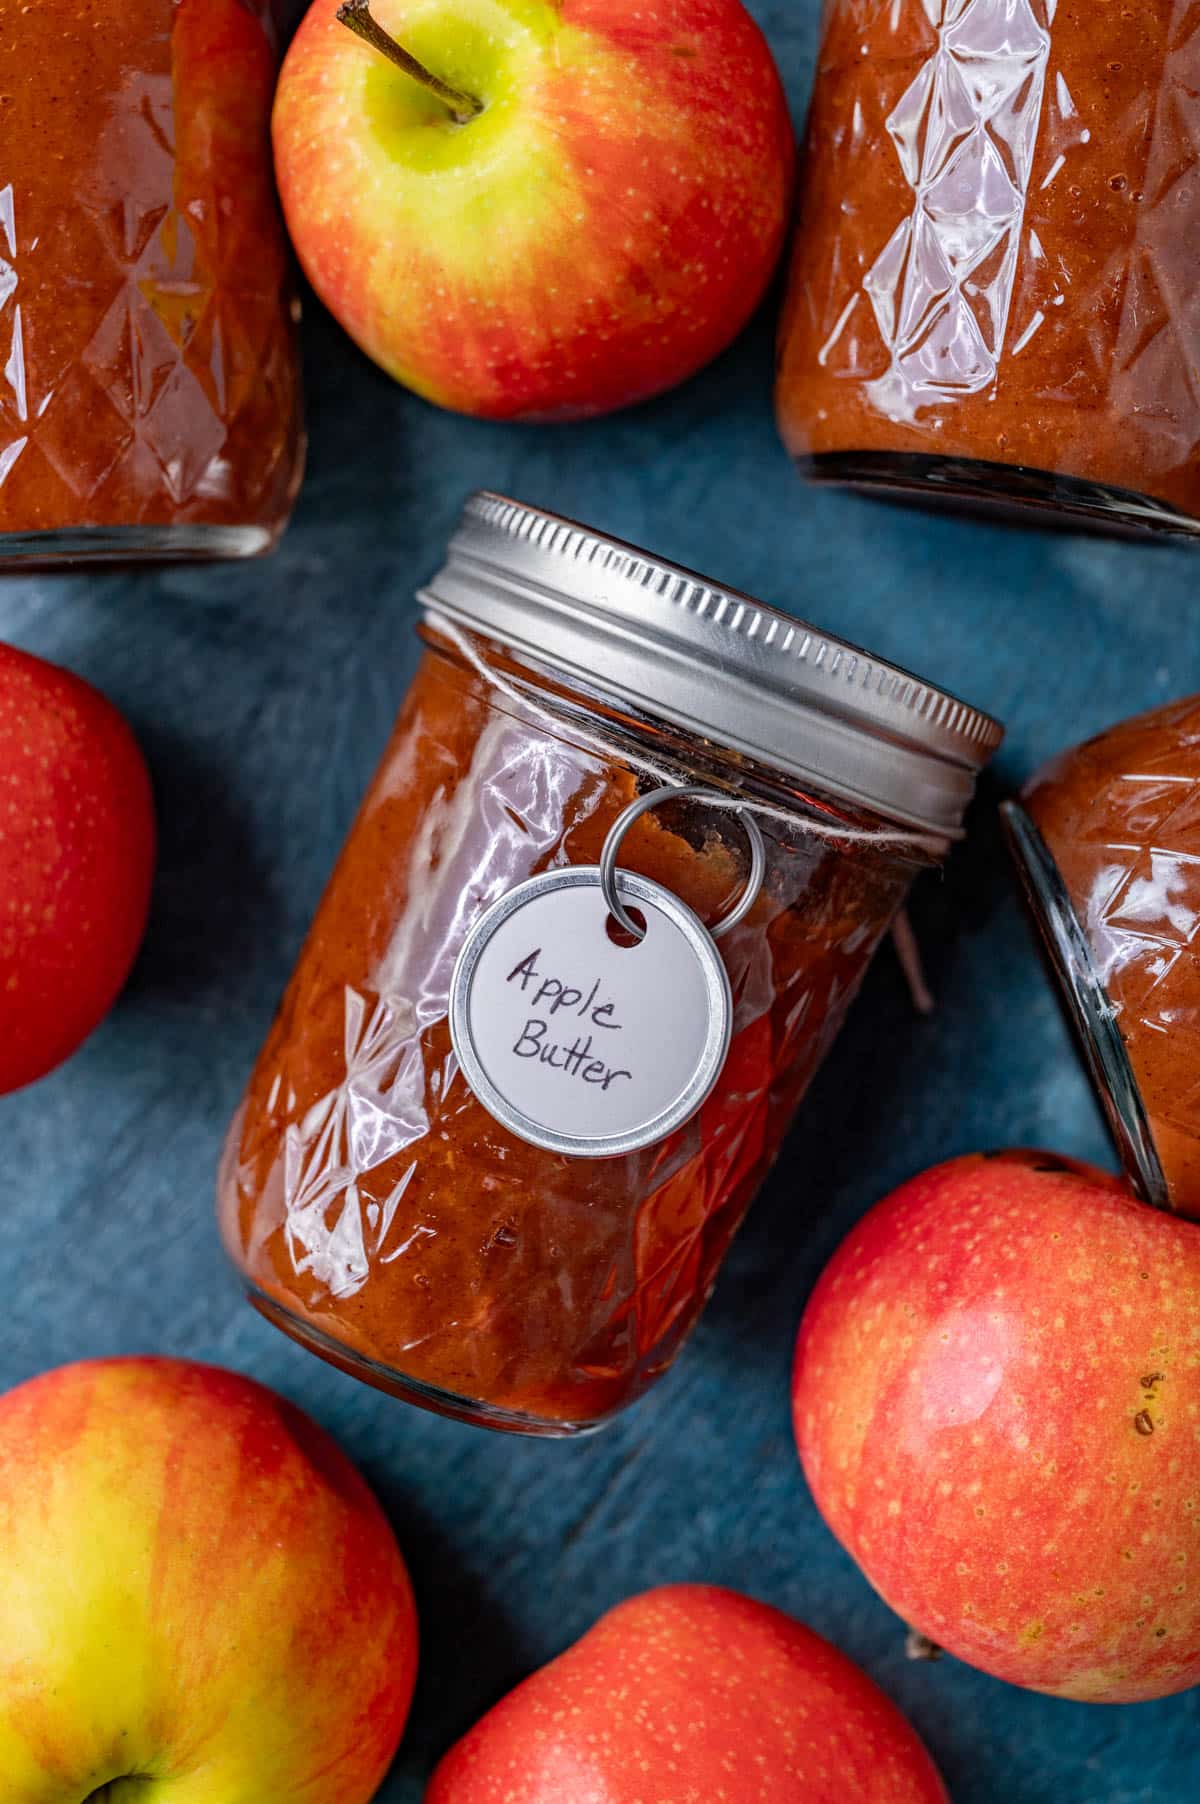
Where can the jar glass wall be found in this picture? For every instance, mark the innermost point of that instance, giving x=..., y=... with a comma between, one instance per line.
x=374, y=1206
x=993, y=296
x=149, y=379
x=1107, y=840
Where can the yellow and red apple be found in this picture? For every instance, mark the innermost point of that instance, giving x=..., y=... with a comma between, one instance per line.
x=997, y=1404
x=202, y=1602
x=593, y=215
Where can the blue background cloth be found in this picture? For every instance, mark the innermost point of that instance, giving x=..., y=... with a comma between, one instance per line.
x=263, y=694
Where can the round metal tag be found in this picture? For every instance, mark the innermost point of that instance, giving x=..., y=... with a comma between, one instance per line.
x=576, y=1042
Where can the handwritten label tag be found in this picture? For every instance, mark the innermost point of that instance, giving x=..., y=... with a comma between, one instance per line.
x=575, y=1042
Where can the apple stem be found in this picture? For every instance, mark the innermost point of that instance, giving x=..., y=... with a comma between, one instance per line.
x=357, y=15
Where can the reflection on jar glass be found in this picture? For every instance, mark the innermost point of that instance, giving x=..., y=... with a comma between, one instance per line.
x=1108, y=845
x=994, y=291
x=375, y=1207
x=149, y=382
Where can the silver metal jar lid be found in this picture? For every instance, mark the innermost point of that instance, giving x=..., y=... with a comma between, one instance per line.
x=824, y=713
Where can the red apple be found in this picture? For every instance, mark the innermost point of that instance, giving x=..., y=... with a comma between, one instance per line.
x=201, y=1597
x=600, y=227
x=997, y=1406
x=76, y=859
x=687, y=1695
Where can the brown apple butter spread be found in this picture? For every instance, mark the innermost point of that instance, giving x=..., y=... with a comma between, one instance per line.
x=377, y=1208
x=149, y=384
x=1121, y=818
x=998, y=254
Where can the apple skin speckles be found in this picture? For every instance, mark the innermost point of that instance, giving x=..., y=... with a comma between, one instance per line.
x=600, y=231
x=692, y=1695
x=997, y=1406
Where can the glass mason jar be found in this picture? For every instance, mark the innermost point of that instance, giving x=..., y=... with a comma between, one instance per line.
x=1107, y=841
x=377, y=1210
x=149, y=382
x=994, y=291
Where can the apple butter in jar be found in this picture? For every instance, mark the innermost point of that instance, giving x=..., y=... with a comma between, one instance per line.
x=149, y=382
x=1107, y=841
x=994, y=295
x=612, y=890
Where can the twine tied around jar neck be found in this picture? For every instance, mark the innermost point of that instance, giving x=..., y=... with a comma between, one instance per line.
x=898, y=839
x=894, y=839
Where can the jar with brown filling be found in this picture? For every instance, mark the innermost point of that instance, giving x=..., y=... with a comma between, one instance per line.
x=149, y=372
x=1108, y=845
x=994, y=292
x=376, y=1208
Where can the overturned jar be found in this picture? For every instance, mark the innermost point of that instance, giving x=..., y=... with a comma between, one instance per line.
x=617, y=879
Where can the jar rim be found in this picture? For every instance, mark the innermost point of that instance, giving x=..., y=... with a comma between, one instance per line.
x=714, y=661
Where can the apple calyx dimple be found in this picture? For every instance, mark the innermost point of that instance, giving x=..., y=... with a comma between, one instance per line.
x=357, y=15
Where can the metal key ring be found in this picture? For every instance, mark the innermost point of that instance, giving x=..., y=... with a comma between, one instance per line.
x=654, y=799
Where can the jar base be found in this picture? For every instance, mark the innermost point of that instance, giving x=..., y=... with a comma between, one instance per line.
x=412, y=1390
x=1006, y=491
x=178, y=543
x=1088, y=1005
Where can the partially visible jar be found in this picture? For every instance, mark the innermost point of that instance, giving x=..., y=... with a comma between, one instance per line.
x=1108, y=845
x=993, y=296
x=375, y=1208
x=149, y=378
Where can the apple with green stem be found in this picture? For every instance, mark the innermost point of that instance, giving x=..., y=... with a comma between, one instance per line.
x=535, y=209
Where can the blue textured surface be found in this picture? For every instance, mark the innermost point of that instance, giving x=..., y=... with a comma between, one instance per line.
x=263, y=695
